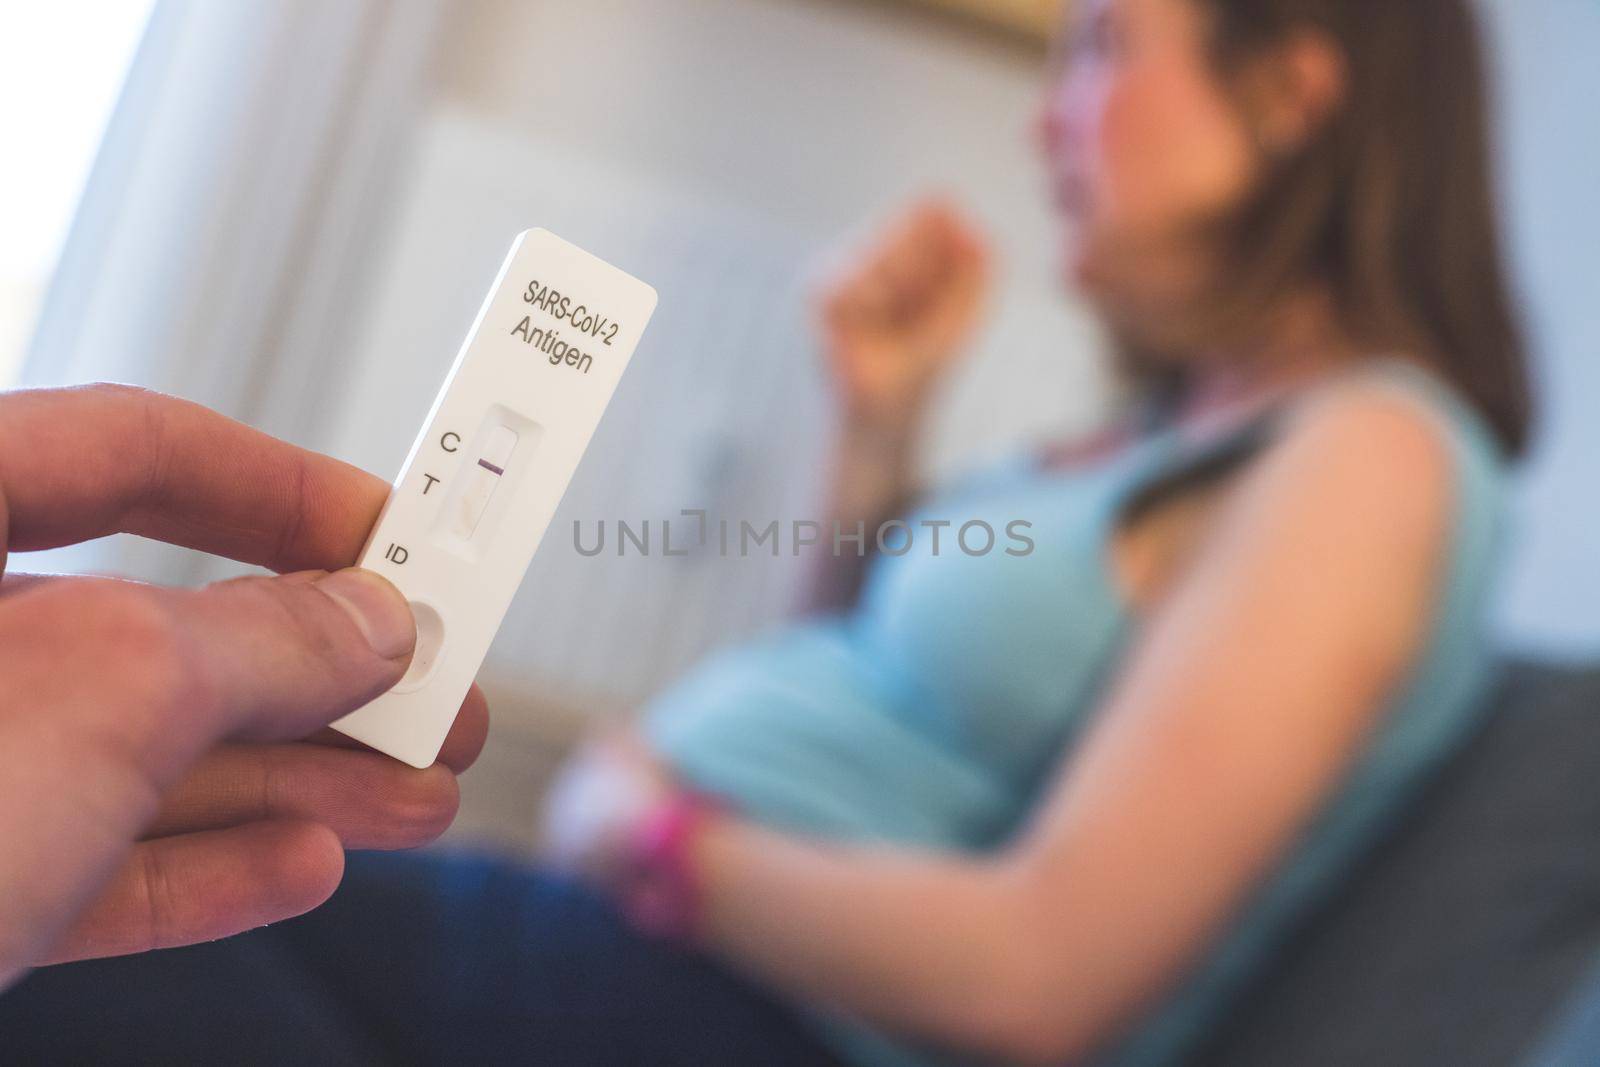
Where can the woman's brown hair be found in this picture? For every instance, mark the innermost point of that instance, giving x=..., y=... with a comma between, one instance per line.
x=1390, y=205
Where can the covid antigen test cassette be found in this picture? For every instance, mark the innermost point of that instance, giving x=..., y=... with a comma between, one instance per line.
x=484, y=477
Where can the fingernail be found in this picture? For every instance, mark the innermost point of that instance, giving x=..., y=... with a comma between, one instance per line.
x=377, y=608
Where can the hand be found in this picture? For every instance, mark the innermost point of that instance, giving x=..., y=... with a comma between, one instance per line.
x=154, y=792
x=598, y=801
x=896, y=317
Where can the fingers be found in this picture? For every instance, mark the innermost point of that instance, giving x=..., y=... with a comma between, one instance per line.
x=156, y=676
x=921, y=254
x=84, y=462
x=198, y=887
x=368, y=800
x=115, y=688
x=940, y=253
x=929, y=259
x=18, y=582
x=468, y=734
x=461, y=746
x=596, y=801
x=278, y=658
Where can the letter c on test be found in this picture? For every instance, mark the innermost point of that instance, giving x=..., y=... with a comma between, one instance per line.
x=450, y=441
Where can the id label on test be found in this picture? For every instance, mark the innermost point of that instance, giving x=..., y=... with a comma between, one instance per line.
x=488, y=470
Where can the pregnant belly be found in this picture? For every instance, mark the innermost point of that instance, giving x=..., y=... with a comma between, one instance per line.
x=799, y=731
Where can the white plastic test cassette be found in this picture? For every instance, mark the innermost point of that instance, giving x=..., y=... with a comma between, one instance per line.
x=485, y=475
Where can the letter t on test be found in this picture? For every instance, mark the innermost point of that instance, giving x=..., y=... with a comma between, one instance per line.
x=486, y=473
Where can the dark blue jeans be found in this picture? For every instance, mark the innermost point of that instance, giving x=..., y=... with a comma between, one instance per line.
x=417, y=959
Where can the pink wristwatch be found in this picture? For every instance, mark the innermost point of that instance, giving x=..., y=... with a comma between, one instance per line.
x=664, y=896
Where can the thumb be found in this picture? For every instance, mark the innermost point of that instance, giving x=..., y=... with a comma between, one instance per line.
x=281, y=656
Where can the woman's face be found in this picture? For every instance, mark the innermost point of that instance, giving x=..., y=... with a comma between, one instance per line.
x=1143, y=144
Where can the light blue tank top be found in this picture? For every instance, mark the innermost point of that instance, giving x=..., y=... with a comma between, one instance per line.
x=935, y=713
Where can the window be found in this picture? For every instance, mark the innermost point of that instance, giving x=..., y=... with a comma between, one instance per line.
x=62, y=65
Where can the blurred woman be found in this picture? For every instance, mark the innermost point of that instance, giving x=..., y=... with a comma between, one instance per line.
x=1058, y=805
x=1043, y=807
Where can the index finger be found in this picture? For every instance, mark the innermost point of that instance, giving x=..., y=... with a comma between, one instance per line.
x=87, y=461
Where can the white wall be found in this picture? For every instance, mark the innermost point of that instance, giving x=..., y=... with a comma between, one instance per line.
x=1550, y=102
x=812, y=116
